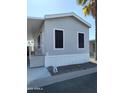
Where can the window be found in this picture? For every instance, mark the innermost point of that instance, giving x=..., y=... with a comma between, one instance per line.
x=38, y=41
x=80, y=40
x=58, y=38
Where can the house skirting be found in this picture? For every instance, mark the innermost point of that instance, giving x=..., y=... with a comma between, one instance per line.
x=60, y=60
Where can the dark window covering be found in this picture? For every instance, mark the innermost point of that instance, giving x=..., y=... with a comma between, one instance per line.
x=58, y=39
x=80, y=40
x=38, y=41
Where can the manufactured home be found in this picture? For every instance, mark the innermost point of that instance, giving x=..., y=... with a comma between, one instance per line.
x=57, y=40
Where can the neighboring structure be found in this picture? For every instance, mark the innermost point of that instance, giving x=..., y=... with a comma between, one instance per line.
x=57, y=40
x=92, y=48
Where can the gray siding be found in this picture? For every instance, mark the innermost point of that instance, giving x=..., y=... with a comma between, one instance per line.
x=71, y=26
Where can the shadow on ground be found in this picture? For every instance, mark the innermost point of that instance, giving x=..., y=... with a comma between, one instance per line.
x=84, y=84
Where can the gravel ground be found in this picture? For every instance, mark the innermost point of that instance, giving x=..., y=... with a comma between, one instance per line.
x=70, y=68
x=84, y=84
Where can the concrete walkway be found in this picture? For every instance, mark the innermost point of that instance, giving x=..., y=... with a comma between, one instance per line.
x=62, y=77
x=37, y=73
x=93, y=60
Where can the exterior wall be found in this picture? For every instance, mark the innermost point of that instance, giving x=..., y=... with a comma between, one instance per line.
x=71, y=54
x=71, y=26
x=61, y=60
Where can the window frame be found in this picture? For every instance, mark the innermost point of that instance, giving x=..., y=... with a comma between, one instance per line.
x=78, y=40
x=54, y=48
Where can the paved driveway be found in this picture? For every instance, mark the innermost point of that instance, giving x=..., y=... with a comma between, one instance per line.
x=36, y=73
x=84, y=84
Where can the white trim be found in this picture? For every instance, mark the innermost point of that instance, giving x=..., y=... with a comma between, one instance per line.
x=54, y=39
x=68, y=14
x=78, y=40
x=35, y=18
x=59, y=15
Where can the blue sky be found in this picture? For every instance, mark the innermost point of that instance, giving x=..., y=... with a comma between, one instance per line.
x=39, y=8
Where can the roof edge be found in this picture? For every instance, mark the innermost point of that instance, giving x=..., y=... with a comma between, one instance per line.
x=61, y=15
x=37, y=18
x=67, y=14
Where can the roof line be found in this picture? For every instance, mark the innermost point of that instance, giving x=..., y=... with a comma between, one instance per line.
x=62, y=15
x=68, y=14
x=30, y=17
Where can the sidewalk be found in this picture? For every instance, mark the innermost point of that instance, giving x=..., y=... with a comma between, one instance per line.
x=62, y=77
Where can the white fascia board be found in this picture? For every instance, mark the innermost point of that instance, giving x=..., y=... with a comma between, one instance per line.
x=57, y=15
x=67, y=14
x=37, y=18
x=61, y=15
